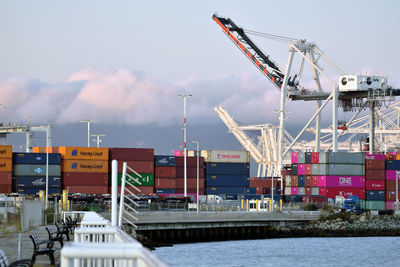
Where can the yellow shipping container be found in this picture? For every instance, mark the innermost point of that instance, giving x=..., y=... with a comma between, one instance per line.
x=5, y=165
x=6, y=152
x=88, y=153
x=98, y=166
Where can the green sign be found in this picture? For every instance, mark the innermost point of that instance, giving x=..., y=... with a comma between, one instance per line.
x=147, y=179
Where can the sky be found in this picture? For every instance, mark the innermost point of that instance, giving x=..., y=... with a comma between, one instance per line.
x=123, y=64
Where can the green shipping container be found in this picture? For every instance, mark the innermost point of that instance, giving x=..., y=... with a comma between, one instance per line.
x=147, y=179
x=362, y=204
x=375, y=205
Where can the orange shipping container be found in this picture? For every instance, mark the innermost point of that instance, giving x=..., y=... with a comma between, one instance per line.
x=87, y=153
x=87, y=166
x=37, y=149
x=5, y=165
x=6, y=152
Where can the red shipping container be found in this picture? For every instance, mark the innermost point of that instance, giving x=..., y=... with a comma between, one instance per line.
x=190, y=162
x=390, y=185
x=191, y=183
x=315, y=181
x=138, y=166
x=5, y=178
x=167, y=172
x=259, y=190
x=165, y=183
x=294, y=181
x=308, y=169
x=375, y=174
x=315, y=157
x=5, y=189
x=286, y=172
x=263, y=182
x=80, y=178
x=308, y=181
x=332, y=192
x=191, y=172
x=131, y=154
x=307, y=190
x=391, y=195
x=87, y=189
x=374, y=164
x=190, y=191
x=375, y=185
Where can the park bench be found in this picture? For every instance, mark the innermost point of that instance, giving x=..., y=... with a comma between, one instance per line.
x=38, y=250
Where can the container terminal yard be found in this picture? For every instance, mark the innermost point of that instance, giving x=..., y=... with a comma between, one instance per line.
x=205, y=195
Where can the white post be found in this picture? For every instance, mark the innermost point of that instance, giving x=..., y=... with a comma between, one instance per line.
x=184, y=146
x=114, y=192
x=88, y=125
x=121, y=199
x=47, y=167
x=397, y=190
x=198, y=168
x=334, y=119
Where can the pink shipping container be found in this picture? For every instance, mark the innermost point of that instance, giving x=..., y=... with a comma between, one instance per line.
x=390, y=205
x=295, y=191
x=295, y=157
x=391, y=175
x=315, y=158
x=322, y=191
x=302, y=169
x=342, y=181
x=315, y=181
x=375, y=156
x=375, y=185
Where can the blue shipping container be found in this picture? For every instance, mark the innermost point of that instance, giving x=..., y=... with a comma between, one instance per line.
x=295, y=169
x=36, y=158
x=376, y=195
x=227, y=190
x=227, y=168
x=165, y=161
x=165, y=191
x=301, y=181
x=35, y=190
x=294, y=198
x=392, y=164
x=227, y=180
x=36, y=181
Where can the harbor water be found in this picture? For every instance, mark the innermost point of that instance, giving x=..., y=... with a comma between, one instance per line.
x=347, y=251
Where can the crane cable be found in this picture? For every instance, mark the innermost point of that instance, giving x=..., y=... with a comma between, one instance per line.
x=272, y=36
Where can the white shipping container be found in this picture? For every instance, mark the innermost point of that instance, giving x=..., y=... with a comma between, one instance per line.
x=288, y=191
x=302, y=191
x=226, y=156
x=315, y=191
x=287, y=180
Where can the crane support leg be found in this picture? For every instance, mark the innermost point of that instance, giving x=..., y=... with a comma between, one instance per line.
x=371, y=127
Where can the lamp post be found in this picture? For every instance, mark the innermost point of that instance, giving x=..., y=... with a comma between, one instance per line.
x=88, y=129
x=98, y=140
x=198, y=184
x=184, y=145
x=47, y=167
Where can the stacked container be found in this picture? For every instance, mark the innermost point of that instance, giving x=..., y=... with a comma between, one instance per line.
x=139, y=159
x=5, y=169
x=165, y=174
x=227, y=172
x=392, y=173
x=375, y=182
x=191, y=175
x=29, y=173
x=85, y=169
x=263, y=185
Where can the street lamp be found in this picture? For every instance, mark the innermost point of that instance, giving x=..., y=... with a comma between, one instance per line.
x=88, y=130
x=198, y=185
x=98, y=140
x=184, y=145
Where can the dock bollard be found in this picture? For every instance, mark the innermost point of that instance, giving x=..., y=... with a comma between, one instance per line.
x=247, y=205
x=280, y=204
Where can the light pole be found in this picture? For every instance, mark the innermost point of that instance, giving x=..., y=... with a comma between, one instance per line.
x=198, y=184
x=88, y=130
x=47, y=167
x=184, y=145
x=98, y=140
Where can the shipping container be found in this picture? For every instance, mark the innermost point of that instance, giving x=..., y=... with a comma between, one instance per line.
x=374, y=164
x=375, y=174
x=88, y=166
x=5, y=178
x=308, y=181
x=190, y=183
x=301, y=191
x=288, y=190
x=36, y=158
x=294, y=191
x=190, y=191
x=301, y=169
x=36, y=170
x=191, y=172
x=267, y=191
x=391, y=195
x=308, y=157
x=50, y=149
x=341, y=181
x=375, y=205
x=227, y=156
x=308, y=170
x=307, y=191
x=164, y=190
x=5, y=152
x=393, y=165
x=190, y=162
x=294, y=181
x=301, y=181
x=138, y=165
x=392, y=174
x=6, y=189
x=332, y=192
x=167, y=172
x=288, y=179
x=356, y=158
x=315, y=191
x=82, y=178
x=390, y=185
x=340, y=169
x=375, y=195
x=147, y=179
x=84, y=153
x=375, y=185
x=315, y=180
x=375, y=156
x=227, y=168
x=227, y=180
x=87, y=189
x=165, y=183
x=5, y=165
x=301, y=158
x=131, y=154
x=315, y=158
x=294, y=198
x=35, y=190
x=295, y=169
x=294, y=158
x=391, y=205
x=265, y=181
x=144, y=190
x=164, y=161
x=37, y=181
x=227, y=190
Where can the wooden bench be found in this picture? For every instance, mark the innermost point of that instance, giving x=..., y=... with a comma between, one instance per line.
x=37, y=250
x=56, y=236
x=20, y=263
x=64, y=230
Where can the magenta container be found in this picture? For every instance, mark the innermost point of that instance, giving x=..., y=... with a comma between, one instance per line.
x=390, y=205
x=322, y=191
x=342, y=181
x=301, y=169
x=375, y=156
x=391, y=175
x=295, y=157
x=294, y=191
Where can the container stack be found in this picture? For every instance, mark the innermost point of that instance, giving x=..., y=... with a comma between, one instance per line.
x=263, y=185
x=85, y=169
x=392, y=173
x=375, y=182
x=165, y=174
x=139, y=159
x=191, y=175
x=5, y=169
x=29, y=173
x=227, y=172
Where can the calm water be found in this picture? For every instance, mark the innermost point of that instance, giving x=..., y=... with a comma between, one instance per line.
x=293, y=252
